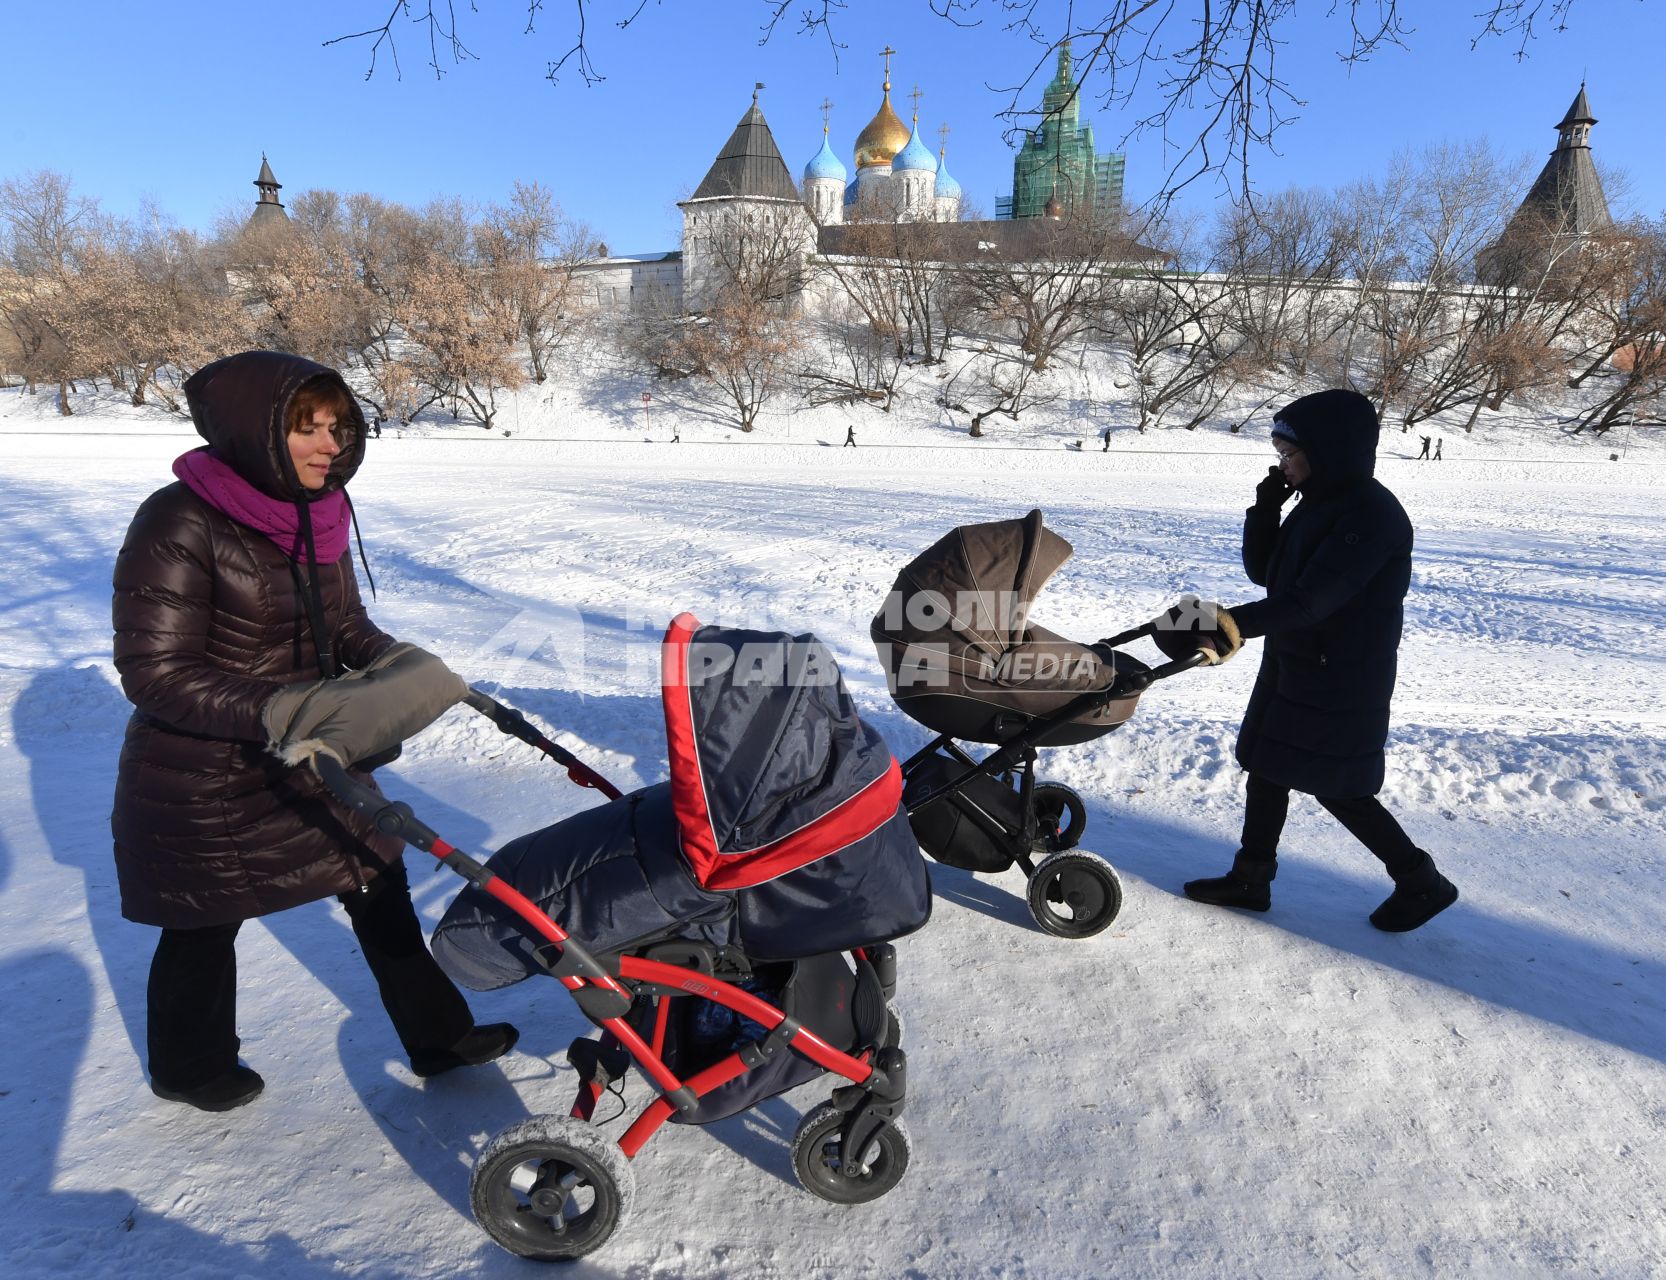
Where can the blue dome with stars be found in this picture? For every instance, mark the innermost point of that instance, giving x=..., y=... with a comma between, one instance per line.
x=825, y=164
x=914, y=156
x=947, y=188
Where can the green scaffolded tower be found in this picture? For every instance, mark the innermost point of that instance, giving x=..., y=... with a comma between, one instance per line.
x=1058, y=158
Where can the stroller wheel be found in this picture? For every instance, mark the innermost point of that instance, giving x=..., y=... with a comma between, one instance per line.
x=1061, y=817
x=1074, y=894
x=821, y=1167
x=550, y=1188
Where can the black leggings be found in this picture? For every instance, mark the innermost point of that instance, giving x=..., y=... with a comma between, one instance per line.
x=1266, y=805
x=191, y=1027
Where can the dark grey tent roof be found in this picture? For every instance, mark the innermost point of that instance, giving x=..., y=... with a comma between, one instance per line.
x=1568, y=195
x=749, y=164
x=1579, y=112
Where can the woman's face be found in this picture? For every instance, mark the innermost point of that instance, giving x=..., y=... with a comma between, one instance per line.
x=1293, y=462
x=313, y=446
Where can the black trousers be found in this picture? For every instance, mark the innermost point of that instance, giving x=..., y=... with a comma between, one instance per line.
x=191, y=1017
x=1267, y=805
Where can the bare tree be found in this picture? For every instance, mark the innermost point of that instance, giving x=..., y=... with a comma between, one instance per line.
x=1277, y=260
x=46, y=232
x=531, y=252
x=996, y=378
x=1206, y=77
x=1631, y=379
x=904, y=277
x=1048, y=288
x=746, y=339
x=849, y=360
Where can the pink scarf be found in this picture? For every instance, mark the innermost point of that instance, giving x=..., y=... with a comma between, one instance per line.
x=211, y=478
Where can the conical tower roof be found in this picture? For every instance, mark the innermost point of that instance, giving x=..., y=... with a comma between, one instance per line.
x=1579, y=112
x=1567, y=195
x=749, y=165
x=269, y=210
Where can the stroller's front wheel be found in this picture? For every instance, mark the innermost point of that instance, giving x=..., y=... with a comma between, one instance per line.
x=1061, y=817
x=551, y=1188
x=1074, y=894
x=822, y=1167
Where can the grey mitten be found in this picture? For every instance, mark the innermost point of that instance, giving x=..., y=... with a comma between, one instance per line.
x=363, y=713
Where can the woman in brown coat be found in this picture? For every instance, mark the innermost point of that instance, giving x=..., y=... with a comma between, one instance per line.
x=233, y=583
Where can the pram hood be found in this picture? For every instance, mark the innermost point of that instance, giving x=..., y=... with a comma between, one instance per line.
x=781, y=831
x=961, y=653
x=771, y=769
x=981, y=580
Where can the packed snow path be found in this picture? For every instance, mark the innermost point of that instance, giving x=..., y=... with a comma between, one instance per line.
x=1193, y=1093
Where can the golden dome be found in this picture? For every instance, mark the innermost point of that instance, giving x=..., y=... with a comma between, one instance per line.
x=885, y=135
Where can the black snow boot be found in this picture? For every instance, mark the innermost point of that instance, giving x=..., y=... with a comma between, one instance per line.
x=1247, y=885
x=239, y=1085
x=483, y=1044
x=1420, y=894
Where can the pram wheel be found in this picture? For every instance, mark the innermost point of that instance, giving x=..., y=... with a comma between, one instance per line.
x=820, y=1164
x=551, y=1188
x=1061, y=817
x=1074, y=893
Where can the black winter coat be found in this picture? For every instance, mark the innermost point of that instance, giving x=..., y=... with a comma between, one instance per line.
x=1336, y=573
x=209, y=623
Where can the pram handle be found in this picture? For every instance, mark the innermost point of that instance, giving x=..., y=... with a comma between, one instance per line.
x=516, y=725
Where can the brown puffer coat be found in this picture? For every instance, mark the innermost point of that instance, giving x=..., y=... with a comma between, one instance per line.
x=209, y=623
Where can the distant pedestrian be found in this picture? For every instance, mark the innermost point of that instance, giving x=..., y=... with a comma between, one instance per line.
x=676, y=435
x=850, y=436
x=1107, y=439
x=1438, y=444
x=1426, y=443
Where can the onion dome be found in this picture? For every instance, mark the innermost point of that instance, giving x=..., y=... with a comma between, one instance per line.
x=885, y=135
x=947, y=188
x=916, y=155
x=824, y=164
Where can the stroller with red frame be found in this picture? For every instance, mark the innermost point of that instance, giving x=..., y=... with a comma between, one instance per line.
x=963, y=659
x=703, y=924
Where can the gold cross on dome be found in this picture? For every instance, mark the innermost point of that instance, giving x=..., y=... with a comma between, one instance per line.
x=915, y=96
x=888, y=53
x=942, y=138
x=826, y=110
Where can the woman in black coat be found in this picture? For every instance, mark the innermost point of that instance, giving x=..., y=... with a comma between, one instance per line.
x=1336, y=573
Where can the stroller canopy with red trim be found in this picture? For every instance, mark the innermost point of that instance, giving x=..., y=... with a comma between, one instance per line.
x=781, y=831
x=771, y=769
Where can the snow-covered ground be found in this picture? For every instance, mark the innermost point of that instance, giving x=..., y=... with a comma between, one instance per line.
x=1192, y=1093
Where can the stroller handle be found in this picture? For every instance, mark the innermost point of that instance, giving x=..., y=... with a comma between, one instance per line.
x=516, y=725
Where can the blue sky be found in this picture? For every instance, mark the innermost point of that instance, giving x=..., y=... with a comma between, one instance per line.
x=180, y=110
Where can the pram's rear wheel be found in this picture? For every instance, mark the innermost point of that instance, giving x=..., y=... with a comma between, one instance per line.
x=1074, y=894
x=1061, y=817
x=821, y=1166
x=551, y=1188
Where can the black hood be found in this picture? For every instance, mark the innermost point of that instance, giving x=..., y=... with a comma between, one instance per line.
x=1338, y=432
x=238, y=405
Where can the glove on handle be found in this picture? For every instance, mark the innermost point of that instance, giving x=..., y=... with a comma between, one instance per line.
x=363, y=713
x=1196, y=626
